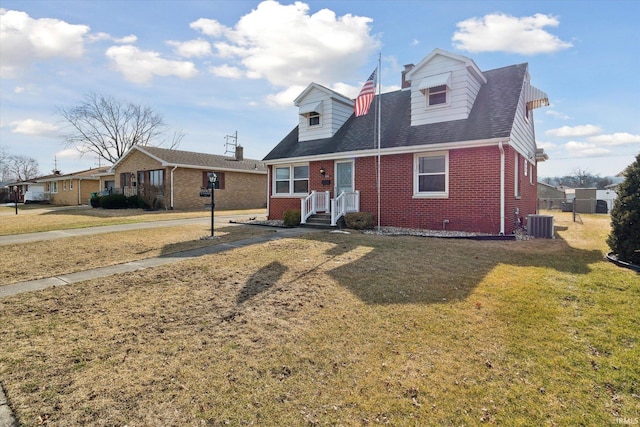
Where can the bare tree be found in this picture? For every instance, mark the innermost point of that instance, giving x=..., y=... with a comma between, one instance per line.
x=21, y=168
x=108, y=127
x=4, y=156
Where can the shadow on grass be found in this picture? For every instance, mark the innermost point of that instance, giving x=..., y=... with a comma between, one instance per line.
x=223, y=238
x=409, y=270
x=261, y=281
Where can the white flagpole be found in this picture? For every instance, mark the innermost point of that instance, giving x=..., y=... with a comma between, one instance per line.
x=379, y=128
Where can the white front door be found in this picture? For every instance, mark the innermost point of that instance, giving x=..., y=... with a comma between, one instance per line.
x=344, y=177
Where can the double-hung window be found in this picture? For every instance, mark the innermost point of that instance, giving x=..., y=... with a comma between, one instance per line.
x=314, y=119
x=293, y=179
x=437, y=95
x=431, y=174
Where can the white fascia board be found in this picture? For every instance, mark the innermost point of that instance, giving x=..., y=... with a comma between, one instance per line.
x=390, y=151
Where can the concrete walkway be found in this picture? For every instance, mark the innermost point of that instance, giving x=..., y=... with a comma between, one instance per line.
x=6, y=415
x=65, y=279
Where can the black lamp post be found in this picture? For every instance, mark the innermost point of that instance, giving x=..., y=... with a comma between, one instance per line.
x=212, y=184
x=15, y=197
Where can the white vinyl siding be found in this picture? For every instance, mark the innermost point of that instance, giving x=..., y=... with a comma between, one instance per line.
x=431, y=175
x=523, y=136
x=460, y=96
x=333, y=115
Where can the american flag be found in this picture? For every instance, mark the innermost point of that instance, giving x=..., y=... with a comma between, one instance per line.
x=367, y=93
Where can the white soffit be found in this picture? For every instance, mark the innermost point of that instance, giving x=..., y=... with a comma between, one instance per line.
x=437, y=80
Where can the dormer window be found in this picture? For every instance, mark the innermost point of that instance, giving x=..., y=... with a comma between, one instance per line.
x=437, y=95
x=436, y=89
x=314, y=119
x=312, y=113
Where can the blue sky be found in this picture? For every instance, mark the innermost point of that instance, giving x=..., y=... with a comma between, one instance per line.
x=215, y=67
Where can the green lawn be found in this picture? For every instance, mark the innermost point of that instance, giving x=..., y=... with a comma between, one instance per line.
x=342, y=330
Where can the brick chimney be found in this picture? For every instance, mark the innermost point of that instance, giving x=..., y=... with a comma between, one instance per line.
x=406, y=83
x=239, y=153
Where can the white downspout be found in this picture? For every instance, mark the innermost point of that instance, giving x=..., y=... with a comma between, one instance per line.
x=268, y=192
x=79, y=191
x=501, y=188
x=172, y=170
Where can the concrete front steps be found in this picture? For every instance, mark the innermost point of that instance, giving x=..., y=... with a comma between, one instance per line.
x=321, y=220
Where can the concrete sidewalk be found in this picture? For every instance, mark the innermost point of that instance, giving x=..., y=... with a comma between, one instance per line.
x=35, y=285
x=6, y=415
x=58, y=234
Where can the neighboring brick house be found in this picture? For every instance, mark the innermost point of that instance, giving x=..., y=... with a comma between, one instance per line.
x=73, y=188
x=175, y=179
x=457, y=150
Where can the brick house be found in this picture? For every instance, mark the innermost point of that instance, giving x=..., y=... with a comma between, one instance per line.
x=72, y=188
x=457, y=150
x=175, y=179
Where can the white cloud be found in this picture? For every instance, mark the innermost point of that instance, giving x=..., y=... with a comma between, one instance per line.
x=69, y=153
x=126, y=39
x=34, y=127
x=575, y=131
x=557, y=114
x=192, y=48
x=499, y=32
x=226, y=71
x=618, y=138
x=584, y=149
x=286, y=97
x=95, y=37
x=288, y=46
x=209, y=27
x=141, y=66
x=25, y=40
x=546, y=145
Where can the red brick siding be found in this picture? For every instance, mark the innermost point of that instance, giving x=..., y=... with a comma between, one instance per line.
x=474, y=191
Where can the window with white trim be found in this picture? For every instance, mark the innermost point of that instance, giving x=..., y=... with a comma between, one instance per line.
x=431, y=174
x=437, y=95
x=516, y=176
x=530, y=174
x=313, y=119
x=54, y=186
x=293, y=179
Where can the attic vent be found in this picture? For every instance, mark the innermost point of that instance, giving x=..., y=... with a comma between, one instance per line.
x=540, y=226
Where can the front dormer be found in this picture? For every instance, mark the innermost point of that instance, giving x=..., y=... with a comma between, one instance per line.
x=321, y=112
x=443, y=87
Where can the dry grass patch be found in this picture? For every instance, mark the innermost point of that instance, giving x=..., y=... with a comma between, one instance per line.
x=336, y=329
x=36, y=260
x=62, y=218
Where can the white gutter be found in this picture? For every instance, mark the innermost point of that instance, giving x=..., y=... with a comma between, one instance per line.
x=501, y=188
x=172, y=170
x=268, y=192
x=390, y=151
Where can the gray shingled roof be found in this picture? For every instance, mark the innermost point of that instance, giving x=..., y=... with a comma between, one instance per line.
x=203, y=160
x=492, y=116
